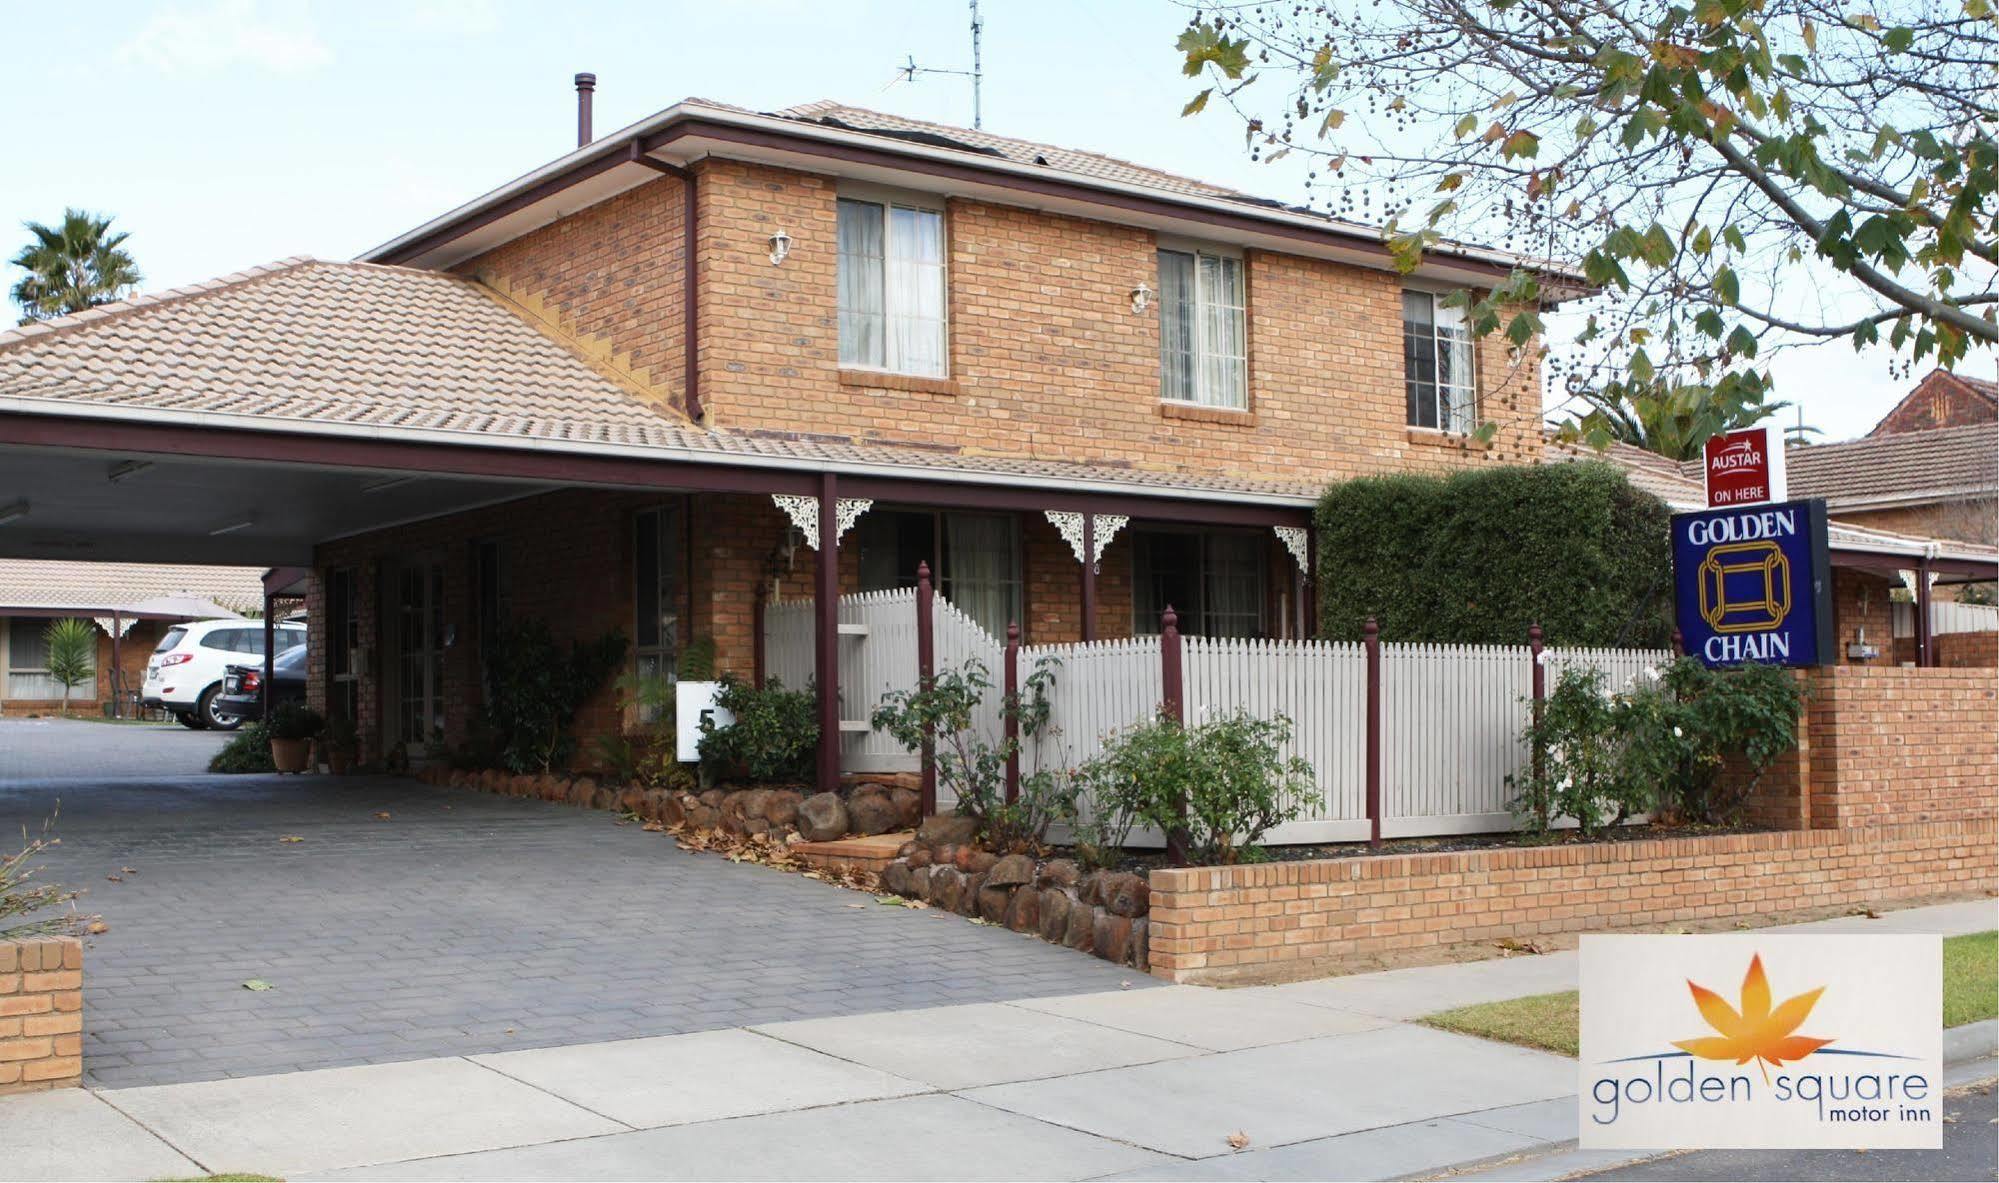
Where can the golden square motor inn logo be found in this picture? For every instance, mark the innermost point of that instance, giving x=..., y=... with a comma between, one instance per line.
x=1759, y=1041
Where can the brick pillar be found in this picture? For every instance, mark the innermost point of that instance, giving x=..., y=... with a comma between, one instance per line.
x=41, y=1014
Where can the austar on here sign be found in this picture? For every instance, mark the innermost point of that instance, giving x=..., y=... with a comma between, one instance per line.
x=1744, y=467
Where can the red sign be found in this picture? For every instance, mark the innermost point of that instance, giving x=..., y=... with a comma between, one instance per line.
x=1744, y=467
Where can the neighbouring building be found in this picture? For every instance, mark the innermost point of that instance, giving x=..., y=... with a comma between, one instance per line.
x=723, y=359
x=1944, y=399
x=131, y=605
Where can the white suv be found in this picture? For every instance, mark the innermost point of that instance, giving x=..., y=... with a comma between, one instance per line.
x=184, y=674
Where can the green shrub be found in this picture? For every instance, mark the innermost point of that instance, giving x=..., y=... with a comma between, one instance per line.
x=249, y=750
x=295, y=720
x=1479, y=556
x=1578, y=768
x=972, y=766
x=1705, y=737
x=535, y=691
x=774, y=737
x=1214, y=790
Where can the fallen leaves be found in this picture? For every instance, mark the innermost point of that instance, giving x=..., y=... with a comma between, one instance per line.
x=1238, y=1140
x=258, y=984
x=382, y=815
x=1509, y=947
x=292, y=838
x=97, y=928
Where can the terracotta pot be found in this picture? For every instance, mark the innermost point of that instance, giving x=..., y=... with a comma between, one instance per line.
x=291, y=755
x=339, y=762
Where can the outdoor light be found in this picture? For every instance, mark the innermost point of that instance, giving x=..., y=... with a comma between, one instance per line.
x=129, y=468
x=232, y=527
x=780, y=246
x=1141, y=299
x=9, y=512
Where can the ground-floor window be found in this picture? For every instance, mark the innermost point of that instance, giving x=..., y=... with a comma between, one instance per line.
x=1213, y=579
x=974, y=559
x=419, y=665
x=343, y=644
x=656, y=589
x=27, y=661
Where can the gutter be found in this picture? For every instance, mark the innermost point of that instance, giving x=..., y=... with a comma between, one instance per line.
x=630, y=142
x=271, y=425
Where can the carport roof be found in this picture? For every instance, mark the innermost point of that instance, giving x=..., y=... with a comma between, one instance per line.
x=50, y=584
x=383, y=352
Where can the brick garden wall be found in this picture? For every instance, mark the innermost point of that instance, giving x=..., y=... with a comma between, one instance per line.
x=1214, y=923
x=41, y=1014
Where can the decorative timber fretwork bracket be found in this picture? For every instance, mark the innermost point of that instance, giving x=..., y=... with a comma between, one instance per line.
x=804, y=514
x=1294, y=540
x=1070, y=526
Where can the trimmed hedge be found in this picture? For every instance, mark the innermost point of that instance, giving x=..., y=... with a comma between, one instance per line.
x=1478, y=556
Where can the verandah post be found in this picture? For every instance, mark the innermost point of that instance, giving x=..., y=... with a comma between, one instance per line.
x=757, y=634
x=1089, y=621
x=926, y=677
x=826, y=613
x=1372, y=636
x=1012, y=701
x=1172, y=689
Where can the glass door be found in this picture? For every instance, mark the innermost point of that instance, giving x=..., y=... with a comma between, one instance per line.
x=416, y=659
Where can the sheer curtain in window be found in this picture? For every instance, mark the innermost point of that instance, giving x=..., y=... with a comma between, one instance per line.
x=1176, y=326
x=1222, y=346
x=862, y=340
x=1456, y=397
x=916, y=291
x=980, y=575
x=1232, y=585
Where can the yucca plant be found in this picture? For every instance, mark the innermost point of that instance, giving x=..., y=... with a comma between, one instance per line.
x=72, y=659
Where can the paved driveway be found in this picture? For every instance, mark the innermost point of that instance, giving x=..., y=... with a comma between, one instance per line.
x=460, y=923
x=64, y=749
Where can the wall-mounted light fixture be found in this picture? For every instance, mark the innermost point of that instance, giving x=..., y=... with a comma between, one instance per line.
x=780, y=246
x=1141, y=299
x=9, y=513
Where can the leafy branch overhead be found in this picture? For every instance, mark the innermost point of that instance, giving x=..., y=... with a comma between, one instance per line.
x=1733, y=175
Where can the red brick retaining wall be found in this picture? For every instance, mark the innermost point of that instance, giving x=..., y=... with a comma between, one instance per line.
x=41, y=1014
x=1214, y=923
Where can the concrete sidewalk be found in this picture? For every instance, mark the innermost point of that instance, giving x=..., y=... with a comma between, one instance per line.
x=1323, y=1079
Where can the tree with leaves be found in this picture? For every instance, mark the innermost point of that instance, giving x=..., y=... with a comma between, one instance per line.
x=72, y=654
x=1735, y=176
x=76, y=265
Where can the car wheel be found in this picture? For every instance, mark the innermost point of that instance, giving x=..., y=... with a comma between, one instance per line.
x=213, y=717
x=189, y=720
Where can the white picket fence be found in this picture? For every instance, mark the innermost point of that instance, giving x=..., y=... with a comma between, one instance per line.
x=1452, y=715
x=1948, y=616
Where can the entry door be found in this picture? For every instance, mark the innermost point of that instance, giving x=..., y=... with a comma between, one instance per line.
x=416, y=654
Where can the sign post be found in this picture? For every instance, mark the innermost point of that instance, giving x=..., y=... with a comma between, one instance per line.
x=1754, y=584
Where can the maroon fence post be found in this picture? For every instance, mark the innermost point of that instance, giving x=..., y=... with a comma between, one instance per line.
x=926, y=677
x=1539, y=684
x=1012, y=700
x=757, y=634
x=1172, y=689
x=1679, y=643
x=1372, y=636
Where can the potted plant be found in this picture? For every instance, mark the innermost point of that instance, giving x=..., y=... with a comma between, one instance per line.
x=293, y=727
x=341, y=744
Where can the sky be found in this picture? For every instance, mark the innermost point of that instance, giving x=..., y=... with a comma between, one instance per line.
x=228, y=133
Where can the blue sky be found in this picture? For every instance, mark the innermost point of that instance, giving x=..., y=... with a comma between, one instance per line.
x=226, y=133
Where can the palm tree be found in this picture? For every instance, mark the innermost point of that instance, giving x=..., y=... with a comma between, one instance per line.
x=1672, y=421
x=77, y=265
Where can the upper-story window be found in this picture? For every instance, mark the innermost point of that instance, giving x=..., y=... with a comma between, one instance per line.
x=1437, y=364
x=1202, y=342
x=892, y=287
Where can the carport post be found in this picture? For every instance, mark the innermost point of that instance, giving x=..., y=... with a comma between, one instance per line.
x=1925, y=642
x=826, y=667
x=117, y=670
x=270, y=640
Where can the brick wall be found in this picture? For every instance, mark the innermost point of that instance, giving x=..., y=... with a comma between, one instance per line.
x=41, y=1014
x=1862, y=607
x=1972, y=520
x=1214, y=923
x=1939, y=400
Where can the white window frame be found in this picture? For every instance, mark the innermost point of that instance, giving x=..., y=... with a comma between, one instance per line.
x=1204, y=349
x=890, y=199
x=1448, y=422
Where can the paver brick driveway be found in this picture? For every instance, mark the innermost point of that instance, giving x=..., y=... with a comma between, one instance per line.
x=461, y=923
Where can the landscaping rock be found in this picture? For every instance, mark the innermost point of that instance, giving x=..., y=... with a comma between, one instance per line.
x=1055, y=905
x=781, y=808
x=896, y=877
x=946, y=829
x=947, y=887
x=754, y=826
x=918, y=857
x=582, y=791
x=632, y=800
x=713, y=799
x=1111, y=938
x=521, y=786
x=993, y=901
x=1023, y=911
x=870, y=812
x=1011, y=871
x=604, y=799
x=1059, y=872
x=1140, y=950
x=968, y=903
x=755, y=804
x=908, y=807
x=822, y=817
x=1081, y=931
x=1125, y=893
x=670, y=811
x=919, y=882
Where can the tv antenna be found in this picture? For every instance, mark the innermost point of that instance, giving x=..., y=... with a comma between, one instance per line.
x=909, y=70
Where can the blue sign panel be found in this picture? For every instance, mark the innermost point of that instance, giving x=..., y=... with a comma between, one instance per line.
x=1753, y=584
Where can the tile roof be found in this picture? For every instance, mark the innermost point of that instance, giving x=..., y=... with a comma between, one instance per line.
x=376, y=347
x=1908, y=466
x=84, y=586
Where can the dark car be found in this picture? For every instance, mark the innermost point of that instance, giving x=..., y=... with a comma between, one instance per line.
x=243, y=685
